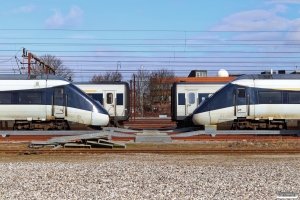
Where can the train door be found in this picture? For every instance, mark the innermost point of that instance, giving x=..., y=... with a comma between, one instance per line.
x=191, y=102
x=241, y=102
x=59, y=102
x=109, y=102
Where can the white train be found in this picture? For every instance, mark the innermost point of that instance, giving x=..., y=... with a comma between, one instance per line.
x=46, y=102
x=114, y=96
x=261, y=101
x=186, y=96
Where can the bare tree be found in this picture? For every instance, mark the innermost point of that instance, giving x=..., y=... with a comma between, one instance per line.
x=160, y=90
x=108, y=76
x=141, y=84
x=56, y=64
x=97, y=78
x=153, y=92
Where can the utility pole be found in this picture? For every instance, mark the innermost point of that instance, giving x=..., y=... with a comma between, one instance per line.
x=142, y=88
x=48, y=68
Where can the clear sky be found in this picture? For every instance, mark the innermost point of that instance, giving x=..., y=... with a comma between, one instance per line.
x=92, y=37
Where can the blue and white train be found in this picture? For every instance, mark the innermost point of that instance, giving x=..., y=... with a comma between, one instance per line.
x=47, y=102
x=261, y=101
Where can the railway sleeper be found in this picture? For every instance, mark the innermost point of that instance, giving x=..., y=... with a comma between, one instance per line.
x=246, y=124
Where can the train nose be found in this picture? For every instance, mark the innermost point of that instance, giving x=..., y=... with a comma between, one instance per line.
x=99, y=119
x=201, y=118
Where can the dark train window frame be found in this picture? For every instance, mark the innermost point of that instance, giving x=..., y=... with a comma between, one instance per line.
x=109, y=100
x=181, y=98
x=202, y=95
x=291, y=99
x=59, y=96
x=28, y=97
x=120, y=101
x=241, y=92
x=97, y=96
x=59, y=92
x=5, y=99
x=267, y=95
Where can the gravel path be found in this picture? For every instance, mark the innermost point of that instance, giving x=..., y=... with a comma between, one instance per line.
x=149, y=176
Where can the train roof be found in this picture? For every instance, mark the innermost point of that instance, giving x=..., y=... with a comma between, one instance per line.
x=102, y=82
x=268, y=76
x=31, y=77
x=198, y=83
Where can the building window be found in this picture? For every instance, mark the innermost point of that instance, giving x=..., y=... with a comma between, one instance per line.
x=201, y=74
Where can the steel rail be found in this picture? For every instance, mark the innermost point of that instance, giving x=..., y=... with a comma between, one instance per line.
x=155, y=151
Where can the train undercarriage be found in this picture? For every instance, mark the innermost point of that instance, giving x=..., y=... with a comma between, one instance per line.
x=246, y=124
x=41, y=125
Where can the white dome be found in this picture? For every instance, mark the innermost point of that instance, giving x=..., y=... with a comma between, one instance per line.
x=223, y=73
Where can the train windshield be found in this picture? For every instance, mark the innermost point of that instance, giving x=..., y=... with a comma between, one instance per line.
x=78, y=99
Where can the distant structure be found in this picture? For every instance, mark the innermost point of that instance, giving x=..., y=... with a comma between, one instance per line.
x=223, y=73
x=198, y=73
x=201, y=76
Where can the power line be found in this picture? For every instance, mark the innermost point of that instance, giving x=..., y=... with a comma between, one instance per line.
x=149, y=39
x=168, y=57
x=148, y=30
x=154, y=51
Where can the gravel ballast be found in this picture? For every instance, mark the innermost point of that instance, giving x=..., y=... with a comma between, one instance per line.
x=148, y=176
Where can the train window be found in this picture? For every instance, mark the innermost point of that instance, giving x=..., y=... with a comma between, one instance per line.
x=191, y=97
x=109, y=98
x=241, y=93
x=269, y=97
x=120, y=99
x=59, y=96
x=98, y=97
x=284, y=97
x=294, y=97
x=5, y=97
x=181, y=99
x=59, y=92
x=202, y=97
x=15, y=97
x=30, y=97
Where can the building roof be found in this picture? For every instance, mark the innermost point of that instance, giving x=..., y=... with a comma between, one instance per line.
x=205, y=79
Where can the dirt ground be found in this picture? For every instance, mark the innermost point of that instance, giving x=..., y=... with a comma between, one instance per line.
x=272, y=144
x=280, y=144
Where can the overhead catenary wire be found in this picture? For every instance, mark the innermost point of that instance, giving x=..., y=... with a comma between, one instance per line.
x=161, y=52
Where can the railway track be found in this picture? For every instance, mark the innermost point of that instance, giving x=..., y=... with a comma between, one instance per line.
x=154, y=151
x=28, y=136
